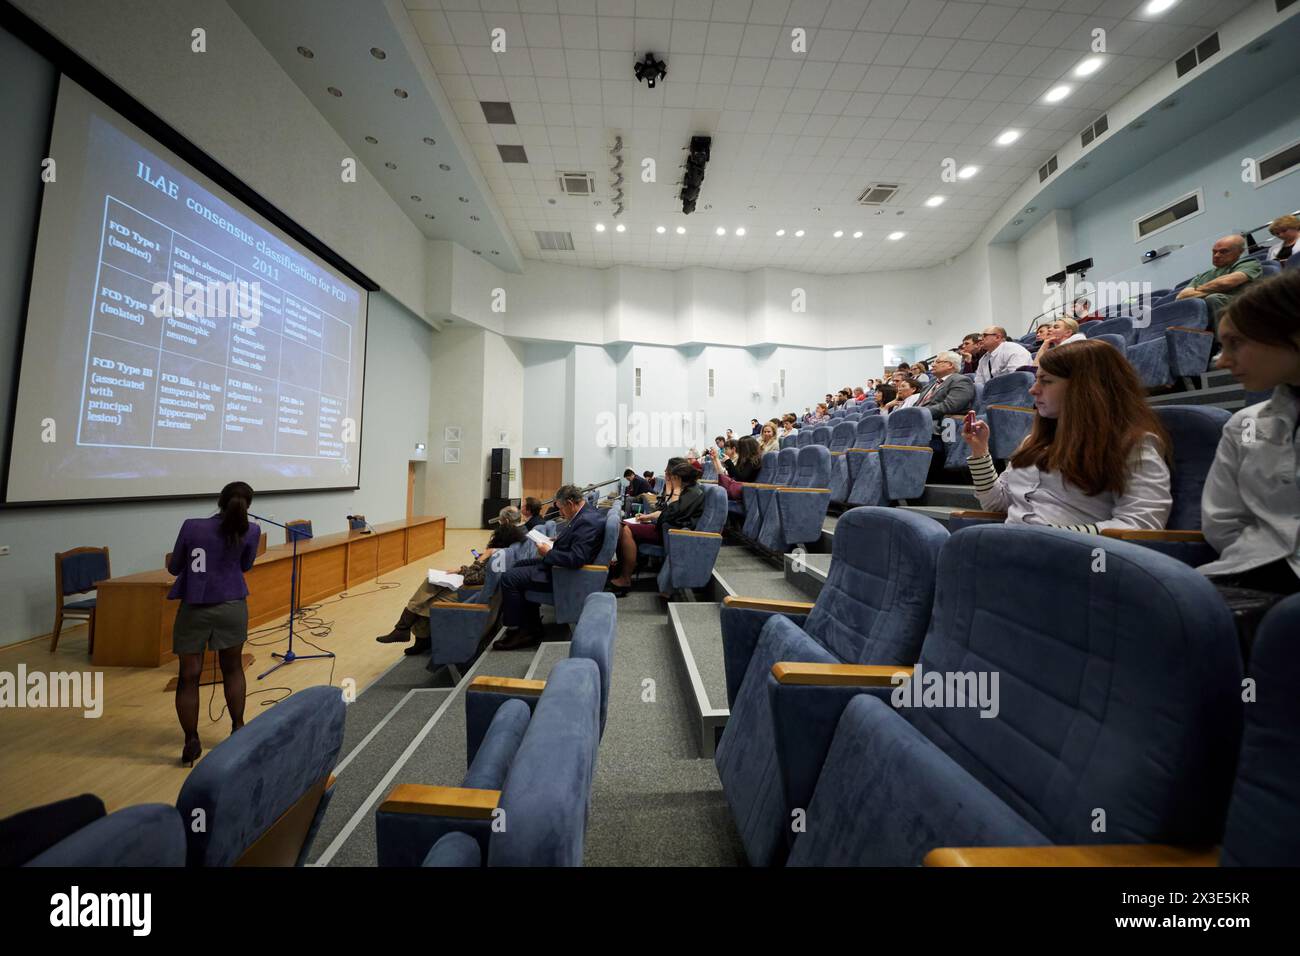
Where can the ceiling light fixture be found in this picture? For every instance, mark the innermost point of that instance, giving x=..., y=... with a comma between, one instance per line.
x=306, y=52
x=390, y=165
x=333, y=91
x=740, y=231
x=966, y=172
x=838, y=234
x=780, y=232
x=895, y=236
x=400, y=93
x=600, y=227
x=377, y=53
x=720, y=231
x=858, y=234
x=1089, y=66
x=1007, y=138
x=1058, y=93
x=620, y=228
x=430, y=141
x=935, y=201
x=799, y=233
x=660, y=230
x=371, y=140
x=681, y=230
x=1158, y=6
x=444, y=167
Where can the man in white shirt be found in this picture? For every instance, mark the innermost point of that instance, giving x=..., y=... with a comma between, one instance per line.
x=1000, y=355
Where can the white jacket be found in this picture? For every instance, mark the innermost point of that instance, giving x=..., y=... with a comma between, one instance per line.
x=1250, y=506
x=1007, y=357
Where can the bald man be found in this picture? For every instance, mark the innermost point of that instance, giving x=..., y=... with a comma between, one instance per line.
x=1231, y=274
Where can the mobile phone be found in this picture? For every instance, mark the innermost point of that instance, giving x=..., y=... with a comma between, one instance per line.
x=969, y=424
x=475, y=553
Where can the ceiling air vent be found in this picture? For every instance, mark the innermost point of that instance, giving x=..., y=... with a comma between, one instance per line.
x=577, y=184
x=512, y=154
x=554, y=241
x=1198, y=55
x=878, y=194
x=1047, y=169
x=1094, y=131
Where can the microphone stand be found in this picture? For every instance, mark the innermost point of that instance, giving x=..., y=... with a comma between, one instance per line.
x=289, y=656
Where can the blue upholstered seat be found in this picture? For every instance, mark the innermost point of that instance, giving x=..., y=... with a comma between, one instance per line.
x=1117, y=703
x=758, y=495
x=789, y=441
x=1009, y=411
x=148, y=834
x=570, y=586
x=905, y=453
x=689, y=555
x=249, y=781
x=794, y=514
x=822, y=435
x=865, y=477
x=803, y=436
x=458, y=628
x=1171, y=341
x=873, y=609
x=1121, y=325
x=843, y=436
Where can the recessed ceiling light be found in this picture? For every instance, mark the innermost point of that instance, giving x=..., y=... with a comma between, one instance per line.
x=966, y=172
x=371, y=139
x=400, y=93
x=895, y=236
x=1058, y=93
x=495, y=253
x=478, y=252
x=377, y=53
x=1031, y=209
x=740, y=231
x=620, y=228
x=1158, y=6
x=934, y=201
x=390, y=165
x=1016, y=222
x=600, y=227
x=799, y=233
x=333, y=91
x=462, y=199
x=838, y=234
x=660, y=230
x=429, y=215
x=1089, y=66
x=1007, y=138
x=444, y=167
x=752, y=206
x=720, y=231
x=473, y=219
x=858, y=234
x=416, y=199
x=780, y=232
x=681, y=230
x=430, y=141
x=306, y=52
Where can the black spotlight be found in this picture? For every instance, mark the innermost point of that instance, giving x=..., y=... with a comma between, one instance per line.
x=650, y=70
x=696, y=159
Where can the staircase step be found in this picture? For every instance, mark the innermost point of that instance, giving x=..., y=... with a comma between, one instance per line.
x=961, y=496
x=698, y=631
x=807, y=572
x=1230, y=397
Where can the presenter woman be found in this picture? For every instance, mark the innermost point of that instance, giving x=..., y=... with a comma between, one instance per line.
x=209, y=561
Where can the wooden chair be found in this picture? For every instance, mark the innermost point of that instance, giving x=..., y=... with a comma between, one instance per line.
x=76, y=572
x=356, y=522
x=302, y=523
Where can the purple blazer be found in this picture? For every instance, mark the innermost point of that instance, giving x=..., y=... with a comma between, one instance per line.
x=223, y=576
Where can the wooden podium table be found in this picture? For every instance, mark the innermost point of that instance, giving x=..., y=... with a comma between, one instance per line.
x=133, y=618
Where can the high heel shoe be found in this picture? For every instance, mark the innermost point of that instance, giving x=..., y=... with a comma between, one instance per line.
x=193, y=747
x=620, y=590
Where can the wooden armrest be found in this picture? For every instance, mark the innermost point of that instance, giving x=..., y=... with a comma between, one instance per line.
x=507, y=685
x=839, y=675
x=1123, y=854
x=1134, y=534
x=597, y=567
x=803, y=491
x=999, y=515
x=1183, y=328
x=695, y=534
x=908, y=447
x=1013, y=408
x=864, y=451
x=458, y=606
x=707, y=481
x=767, y=604
x=464, y=802
x=757, y=484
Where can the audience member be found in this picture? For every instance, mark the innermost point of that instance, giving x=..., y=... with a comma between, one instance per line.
x=907, y=394
x=1097, y=457
x=1231, y=274
x=921, y=373
x=682, y=510
x=951, y=393
x=1063, y=330
x=754, y=426
x=767, y=440
x=999, y=355
x=743, y=467
x=1287, y=229
x=885, y=393
x=636, y=485
x=532, y=513
x=970, y=351
x=577, y=544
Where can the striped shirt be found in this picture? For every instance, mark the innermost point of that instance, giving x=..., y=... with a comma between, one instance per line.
x=1032, y=496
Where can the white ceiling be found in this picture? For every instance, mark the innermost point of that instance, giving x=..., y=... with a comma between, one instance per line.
x=885, y=92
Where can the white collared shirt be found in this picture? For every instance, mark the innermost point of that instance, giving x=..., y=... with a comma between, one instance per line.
x=1031, y=496
x=1250, y=506
x=1007, y=357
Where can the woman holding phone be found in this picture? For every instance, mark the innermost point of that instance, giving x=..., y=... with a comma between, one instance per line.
x=209, y=561
x=1096, y=457
x=683, y=505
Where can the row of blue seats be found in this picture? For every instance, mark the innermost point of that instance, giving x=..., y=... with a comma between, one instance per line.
x=1093, y=717
x=530, y=749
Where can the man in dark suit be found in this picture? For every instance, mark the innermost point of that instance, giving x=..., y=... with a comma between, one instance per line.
x=578, y=543
x=951, y=393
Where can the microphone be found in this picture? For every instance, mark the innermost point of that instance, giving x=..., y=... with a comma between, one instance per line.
x=366, y=529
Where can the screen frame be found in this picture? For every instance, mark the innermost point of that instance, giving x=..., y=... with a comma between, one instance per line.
x=67, y=63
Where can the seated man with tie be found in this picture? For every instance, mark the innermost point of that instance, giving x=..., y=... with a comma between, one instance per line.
x=578, y=543
x=951, y=393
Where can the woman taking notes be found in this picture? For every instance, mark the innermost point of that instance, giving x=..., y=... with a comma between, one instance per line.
x=209, y=561
x=1097, y=456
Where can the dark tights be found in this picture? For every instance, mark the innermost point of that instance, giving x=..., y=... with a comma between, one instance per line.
x=187, y=688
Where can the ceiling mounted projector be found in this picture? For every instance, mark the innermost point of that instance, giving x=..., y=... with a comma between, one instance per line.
x=650, y=70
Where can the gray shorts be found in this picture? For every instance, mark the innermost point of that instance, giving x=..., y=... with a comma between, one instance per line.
x=216, y=627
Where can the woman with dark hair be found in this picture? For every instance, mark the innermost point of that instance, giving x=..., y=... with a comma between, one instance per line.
x=1097, y=456
x=682, y=507
x=734, y=472
x=1250, y=506
x=209, y=561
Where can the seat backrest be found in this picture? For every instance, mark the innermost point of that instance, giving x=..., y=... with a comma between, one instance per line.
x=1192, y=313
x=593, y=638
x=1195, y=431
x=659, y=484
x=80, y=569
x=1118, y=342
x=837, y=412
x=147, y=834
x=909, y=426
x=790, y=441
x=786, y=461
x=870, y=432
x=613, y=522
x=979, y=398
x=1116, y=690
x=1292, y=262
x=714, y=515
x=1271, y=268
x=767, y=469
x=501, y=561
x=1009, y=388
x=300, y=527
x=250, y=780
x=547, y=791
x=822, y=435
x=1261, y=828
x=813, y=469
x=875, y=604
x=842, y=435
x=1121, y=326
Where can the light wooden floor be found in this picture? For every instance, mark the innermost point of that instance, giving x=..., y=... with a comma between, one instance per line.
x=130, y=754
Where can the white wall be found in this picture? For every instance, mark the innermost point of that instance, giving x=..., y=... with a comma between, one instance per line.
x=455, y=398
